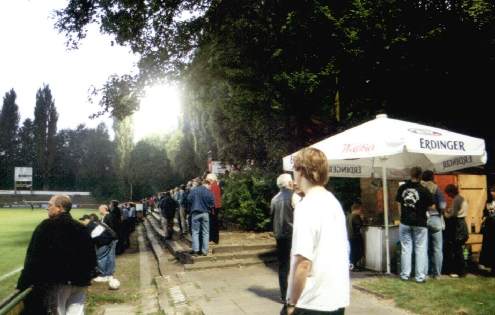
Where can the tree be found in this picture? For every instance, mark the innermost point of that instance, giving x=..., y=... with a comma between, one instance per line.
x=150, y=169
x=45, y=129
x=9, y=125
x=263, y=76
x=26, y=150
x=123, y=147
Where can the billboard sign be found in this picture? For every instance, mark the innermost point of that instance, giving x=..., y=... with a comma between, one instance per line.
x=23, y=174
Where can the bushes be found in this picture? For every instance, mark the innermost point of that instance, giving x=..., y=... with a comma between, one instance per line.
x=246, y=199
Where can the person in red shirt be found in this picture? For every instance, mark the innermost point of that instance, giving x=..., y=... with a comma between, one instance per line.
x=217, y=194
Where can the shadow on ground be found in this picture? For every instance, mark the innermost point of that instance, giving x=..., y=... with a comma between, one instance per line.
x=270, y=294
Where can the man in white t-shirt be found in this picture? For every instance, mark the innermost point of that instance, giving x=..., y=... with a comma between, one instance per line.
x=319, y=273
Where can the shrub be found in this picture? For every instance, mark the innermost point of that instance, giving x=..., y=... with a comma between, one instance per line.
x=246, y=199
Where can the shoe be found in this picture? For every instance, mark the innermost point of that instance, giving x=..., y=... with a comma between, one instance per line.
x=454, y=275
x=351, y=267
x=421, y=281
x=101, y=279
x=404, y=278
x=193, y=253
x=203, y=254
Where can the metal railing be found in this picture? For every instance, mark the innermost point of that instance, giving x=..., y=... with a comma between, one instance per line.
x=13, y=304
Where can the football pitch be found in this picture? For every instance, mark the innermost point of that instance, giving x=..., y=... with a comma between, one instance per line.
x=16, y=227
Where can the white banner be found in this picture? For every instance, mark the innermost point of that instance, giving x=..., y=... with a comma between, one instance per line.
x=23, y=174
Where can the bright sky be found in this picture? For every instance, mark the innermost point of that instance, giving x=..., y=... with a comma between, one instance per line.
x=33, y=53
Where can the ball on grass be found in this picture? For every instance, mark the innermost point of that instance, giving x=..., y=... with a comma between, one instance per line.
x=114, y=284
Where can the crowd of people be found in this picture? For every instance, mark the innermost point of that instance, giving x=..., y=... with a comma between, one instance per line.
x=195, y=207
x=316, y=243
x=64, y=256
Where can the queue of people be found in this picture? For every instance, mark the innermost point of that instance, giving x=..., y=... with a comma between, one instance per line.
x=195, y=207
x=65, y=255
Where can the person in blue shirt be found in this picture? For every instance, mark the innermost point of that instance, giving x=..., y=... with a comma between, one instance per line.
x=201, y=201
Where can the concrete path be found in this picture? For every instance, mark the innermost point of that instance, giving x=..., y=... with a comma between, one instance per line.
x=254, y=290
x=149, y=296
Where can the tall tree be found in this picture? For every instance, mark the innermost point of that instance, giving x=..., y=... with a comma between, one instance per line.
x=9, y=125
x=45, y=129
x=26, y=148
x=123, y=147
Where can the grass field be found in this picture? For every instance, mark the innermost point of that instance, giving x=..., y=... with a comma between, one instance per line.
x=473, y=295
x=16, y=227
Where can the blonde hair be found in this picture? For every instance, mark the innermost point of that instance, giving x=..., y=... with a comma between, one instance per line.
x=313, y=165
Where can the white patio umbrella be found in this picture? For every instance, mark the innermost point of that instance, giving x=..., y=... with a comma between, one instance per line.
x=388, y=148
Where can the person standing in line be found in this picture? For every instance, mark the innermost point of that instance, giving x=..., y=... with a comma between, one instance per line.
x=456, y=233
x=319, y=273
x=168, y=206
x=202, y=202
x=282, y=214
x=105, y=241
x=356, y=241
x=487, y=257
x=435, y=225
x=115, y=223
x=217, y=195
x=414, y=201
x=60, y=263
x=181, y=214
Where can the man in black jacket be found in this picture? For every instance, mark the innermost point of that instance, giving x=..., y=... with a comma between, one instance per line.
x=60, y=262
x=168, y=207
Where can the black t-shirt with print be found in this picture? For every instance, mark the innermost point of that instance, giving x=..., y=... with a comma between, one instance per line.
x=414, y=200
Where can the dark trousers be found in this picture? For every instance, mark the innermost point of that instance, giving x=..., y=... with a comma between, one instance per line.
x=283, y=255
x=301, y=311
x=214, y=232
x=357, y=249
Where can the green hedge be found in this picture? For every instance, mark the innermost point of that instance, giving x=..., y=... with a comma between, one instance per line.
x=246, y=199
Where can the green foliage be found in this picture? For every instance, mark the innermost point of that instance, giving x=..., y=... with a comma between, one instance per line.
x=45, y=129
x=246, y=199
x=9, y=125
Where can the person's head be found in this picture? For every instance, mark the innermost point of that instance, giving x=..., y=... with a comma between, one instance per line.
x=59, y=204
x=285, y=181
x=492, y=191
x=310, y=168
x=114, y=203
x=182, y=187
x=94, y=217
x=195, y=183
x=357, y=207
x=85, y=219
x=167, y=194
x=428, y=176
x=451, y=190
x=211, y=178
x=416, y=173
x=103, y=209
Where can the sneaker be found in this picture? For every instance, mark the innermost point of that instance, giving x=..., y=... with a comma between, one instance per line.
x=351, y=267
x=101, y=279
x=421, y=281
x=404, y=278
x=193, y=253
x=454, y=275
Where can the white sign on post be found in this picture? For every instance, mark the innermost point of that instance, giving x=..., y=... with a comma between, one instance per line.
x=218, y=167
x=23, y=174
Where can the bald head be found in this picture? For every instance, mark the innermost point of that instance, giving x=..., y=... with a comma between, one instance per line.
x=59, y=204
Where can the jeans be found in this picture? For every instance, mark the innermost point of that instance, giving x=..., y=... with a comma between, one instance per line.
x=413, y=237
x=200, y=225
x=105, y=256
x=182, y=220
x=435, y=245
x=283, y=254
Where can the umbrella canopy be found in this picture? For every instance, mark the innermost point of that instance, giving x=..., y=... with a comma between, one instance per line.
x=388, y=148
x=398, y=145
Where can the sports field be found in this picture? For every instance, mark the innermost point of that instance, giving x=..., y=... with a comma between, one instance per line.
x=16, y=227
